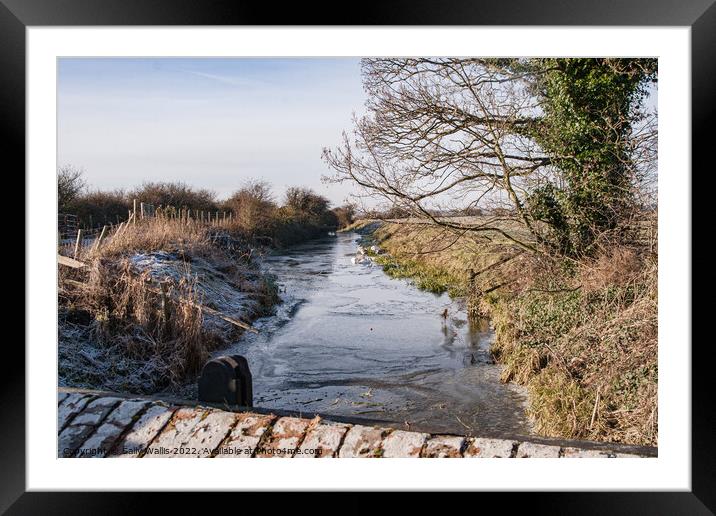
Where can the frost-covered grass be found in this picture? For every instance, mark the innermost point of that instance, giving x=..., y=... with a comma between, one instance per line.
x=132, y=320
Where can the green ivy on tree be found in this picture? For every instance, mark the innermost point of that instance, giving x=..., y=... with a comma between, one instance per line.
x=588, y=106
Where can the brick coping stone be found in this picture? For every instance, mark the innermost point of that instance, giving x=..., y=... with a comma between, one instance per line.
x=93, y=424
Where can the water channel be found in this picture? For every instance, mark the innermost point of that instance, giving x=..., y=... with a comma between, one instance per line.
x=350, y=341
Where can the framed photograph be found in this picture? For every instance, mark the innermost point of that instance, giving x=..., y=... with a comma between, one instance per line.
x=421, y=233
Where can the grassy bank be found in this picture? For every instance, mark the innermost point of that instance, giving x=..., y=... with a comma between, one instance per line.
x=152, y=302
x=581, y=336
x=409, y=257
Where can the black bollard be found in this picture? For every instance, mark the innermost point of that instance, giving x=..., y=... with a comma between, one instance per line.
x=227, y=380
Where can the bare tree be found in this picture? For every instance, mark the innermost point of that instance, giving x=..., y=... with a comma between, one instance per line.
x=455, y=136
x=70, y=183
x=444, y=135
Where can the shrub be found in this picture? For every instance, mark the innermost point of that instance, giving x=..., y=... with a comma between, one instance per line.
x=304, y=215
x=176, y=194
x=305, y=202
x=253, y=209
x=97, y=207
x=345, y=215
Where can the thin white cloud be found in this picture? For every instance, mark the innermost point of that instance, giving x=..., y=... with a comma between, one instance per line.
x=226, y=79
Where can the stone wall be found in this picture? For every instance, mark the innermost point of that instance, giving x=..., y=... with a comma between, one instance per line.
x=104, y=425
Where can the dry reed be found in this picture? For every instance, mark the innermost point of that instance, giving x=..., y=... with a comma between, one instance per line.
x=134, y=330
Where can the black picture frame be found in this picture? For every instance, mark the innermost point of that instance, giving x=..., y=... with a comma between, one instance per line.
x=700, y=15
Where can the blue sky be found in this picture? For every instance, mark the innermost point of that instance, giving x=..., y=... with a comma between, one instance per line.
x=211, y=123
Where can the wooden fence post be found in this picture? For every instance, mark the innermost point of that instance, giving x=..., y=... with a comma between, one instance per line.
x=135, y=210
x=101, y=236
x=77, y=243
